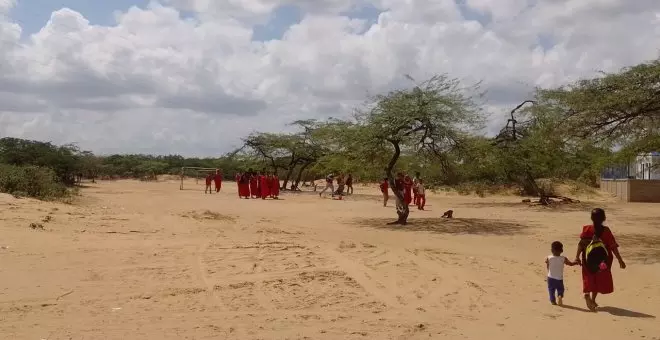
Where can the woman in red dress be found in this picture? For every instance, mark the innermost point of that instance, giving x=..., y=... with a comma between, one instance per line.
x=264, y=185
x=244, y=185
x=407, y=194
x=238, y=182
x=254, y=185
x=600, y=282
x=274, y=186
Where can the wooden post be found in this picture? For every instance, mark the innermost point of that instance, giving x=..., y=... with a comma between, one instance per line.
x=181, y=186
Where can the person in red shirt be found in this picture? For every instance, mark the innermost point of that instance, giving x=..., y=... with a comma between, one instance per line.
x=384, y=186
x=209, y=180
x=217, y=179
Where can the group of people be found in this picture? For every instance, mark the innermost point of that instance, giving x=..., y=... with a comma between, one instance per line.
x=250, y=184
x=595, y=253
x=412, y=189
x=213, y=178
x=262, y=184
x=343, y=183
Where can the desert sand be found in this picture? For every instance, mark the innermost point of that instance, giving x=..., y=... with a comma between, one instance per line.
x=145, y=260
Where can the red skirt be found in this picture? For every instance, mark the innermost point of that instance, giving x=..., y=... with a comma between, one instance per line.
x=275, y=186
x=407, y=196
x=254, y=187
x=265, y=189
x=601, y=282
x=243, y=190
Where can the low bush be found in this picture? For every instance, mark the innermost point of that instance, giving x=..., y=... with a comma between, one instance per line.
x=31, y=181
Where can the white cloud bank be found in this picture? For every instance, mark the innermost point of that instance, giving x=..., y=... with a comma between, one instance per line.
x=161, y=82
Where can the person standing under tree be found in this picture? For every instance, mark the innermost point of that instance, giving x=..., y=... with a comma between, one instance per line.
x=384, y=186
x=421, y=194
x=349, y=184
x=414, y=188
x=407, y=184
x=340, y=184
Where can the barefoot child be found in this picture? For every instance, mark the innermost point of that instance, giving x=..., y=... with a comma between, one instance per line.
x=555, y=265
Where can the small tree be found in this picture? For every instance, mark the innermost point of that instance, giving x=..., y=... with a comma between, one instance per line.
x=430, y=119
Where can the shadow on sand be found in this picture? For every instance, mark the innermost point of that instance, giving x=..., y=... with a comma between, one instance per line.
x=616, y=311
x=456, y=226
x=87, y=186
x=560, y=207
x=576, y=308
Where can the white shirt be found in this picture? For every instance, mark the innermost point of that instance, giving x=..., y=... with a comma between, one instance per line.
x=420, y=189
x=556, y=267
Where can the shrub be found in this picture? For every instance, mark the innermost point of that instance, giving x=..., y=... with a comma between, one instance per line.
x=31, y=181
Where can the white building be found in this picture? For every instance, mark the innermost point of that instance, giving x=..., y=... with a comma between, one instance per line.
x=646, y=166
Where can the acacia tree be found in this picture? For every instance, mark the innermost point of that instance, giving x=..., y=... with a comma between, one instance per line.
x=309, y=146
x=273, y=148
x=430, y=119
x=620, y=108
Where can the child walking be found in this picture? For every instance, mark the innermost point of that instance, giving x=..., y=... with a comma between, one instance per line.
x=555, y=265
x=209, y=180
x=420, y=195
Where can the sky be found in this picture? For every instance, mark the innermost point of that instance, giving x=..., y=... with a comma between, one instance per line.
x=193, y=77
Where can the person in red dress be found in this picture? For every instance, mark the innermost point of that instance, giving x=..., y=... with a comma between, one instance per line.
x=217, y=179
x=254, y=185
x=600, y=282
x=384, y=186
x=238, y=183
x=264, y=185
x=407, y=194
x=244, y=186
x=274, y=186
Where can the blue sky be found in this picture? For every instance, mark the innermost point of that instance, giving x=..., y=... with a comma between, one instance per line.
x=33, y=14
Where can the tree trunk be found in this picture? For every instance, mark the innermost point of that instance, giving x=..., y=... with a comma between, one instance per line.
x=287, y=176
x=300, y=173
x=402, y=209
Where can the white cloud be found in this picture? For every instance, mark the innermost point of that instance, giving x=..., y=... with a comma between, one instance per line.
x=164, y=83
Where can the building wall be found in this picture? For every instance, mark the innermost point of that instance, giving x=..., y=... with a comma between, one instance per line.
x=616, y=187
x=644, y=190
x=632, y=190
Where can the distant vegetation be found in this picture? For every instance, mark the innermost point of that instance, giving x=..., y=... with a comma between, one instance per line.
x=566, y=133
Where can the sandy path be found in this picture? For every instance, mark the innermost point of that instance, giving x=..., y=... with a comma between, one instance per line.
x=135, y=260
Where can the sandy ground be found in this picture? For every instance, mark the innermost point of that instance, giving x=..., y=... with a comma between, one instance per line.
x=138, y=260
